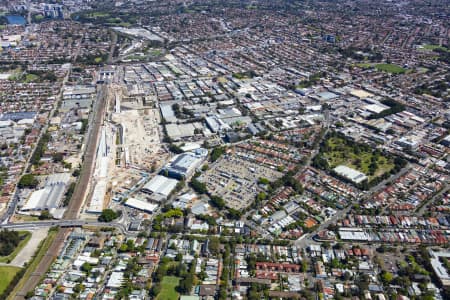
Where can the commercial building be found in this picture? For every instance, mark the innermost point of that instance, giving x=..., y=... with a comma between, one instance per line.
x=177, y=132
x=354, y=234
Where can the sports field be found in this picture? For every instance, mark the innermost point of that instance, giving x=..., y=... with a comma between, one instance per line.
x=168, y=291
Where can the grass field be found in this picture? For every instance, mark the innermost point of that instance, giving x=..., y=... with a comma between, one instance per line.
x=364, y=65
x=98, y=15
x=43, y=248
x=168, y=285
x=7, y=274
x=340, y=153
x=25, y=236
x=390, y=68
x=24, y=78
x=432, y=47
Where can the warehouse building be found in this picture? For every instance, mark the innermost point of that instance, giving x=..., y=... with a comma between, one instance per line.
x=141, y=205
x=50, y=196
x=160, y=187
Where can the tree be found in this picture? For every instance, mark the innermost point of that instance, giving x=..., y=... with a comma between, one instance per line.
x=234, y=214
x=263, y=180
x=86, y=267
x=45, y=215
x=9, y=240
x=304, y=265
x=57, y=157
x=218, y=202
x=176, y=109
x=198, y=186
x=123, y=248
x=387, y=277
x=261, y=196
x=175, y=149
x=108, y=215
x=214, y=245
x=78, y=288
x=363, y=282
x=28, y=181
x=179, y=257
x=335, y=263
x=216, y=153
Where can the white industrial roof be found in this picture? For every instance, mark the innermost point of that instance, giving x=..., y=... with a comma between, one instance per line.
x=161, y=185
x=35, y=198
x=356, y=235
x=360, y=94
x=141, y=205
x=51, y=195
x=376, y=108
x=178, y=131
x=6, y=123
x=115, y=280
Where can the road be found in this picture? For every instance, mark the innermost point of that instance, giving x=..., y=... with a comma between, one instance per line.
x=78, y=196
x=307, y=240
x=423, y=209
x=390, y=179
x=65, y=223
